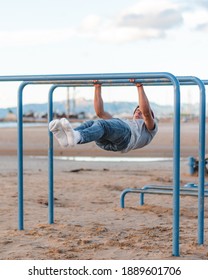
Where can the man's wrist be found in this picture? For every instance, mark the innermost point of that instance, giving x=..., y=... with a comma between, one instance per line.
x=139, y=85
x=97, y=85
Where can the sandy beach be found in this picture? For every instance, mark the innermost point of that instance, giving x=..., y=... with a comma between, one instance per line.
x=89, y=222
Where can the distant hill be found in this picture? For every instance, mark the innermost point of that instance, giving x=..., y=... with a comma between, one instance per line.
x=115, y=108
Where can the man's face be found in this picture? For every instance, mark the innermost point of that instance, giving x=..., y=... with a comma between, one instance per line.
x=137, y=114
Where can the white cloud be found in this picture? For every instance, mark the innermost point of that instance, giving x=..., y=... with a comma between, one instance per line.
x=163, y=20
x=147, y=19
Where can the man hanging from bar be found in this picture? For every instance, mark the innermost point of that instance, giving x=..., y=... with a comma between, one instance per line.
x=111, y=134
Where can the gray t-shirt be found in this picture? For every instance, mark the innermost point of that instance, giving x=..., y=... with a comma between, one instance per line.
x=140, y=135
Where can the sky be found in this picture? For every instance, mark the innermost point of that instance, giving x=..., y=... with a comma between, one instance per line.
x=94, y=36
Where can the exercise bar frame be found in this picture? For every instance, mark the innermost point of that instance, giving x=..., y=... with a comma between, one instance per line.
x=191, y=80
x=76, y=82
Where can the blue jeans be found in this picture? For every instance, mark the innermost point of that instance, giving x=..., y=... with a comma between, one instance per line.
x=112, y=135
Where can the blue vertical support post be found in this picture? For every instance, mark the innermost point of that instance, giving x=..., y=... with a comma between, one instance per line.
x=50, y=159
x=201, y=151
x=202, y=125
x=176, y=169
x=20, y=158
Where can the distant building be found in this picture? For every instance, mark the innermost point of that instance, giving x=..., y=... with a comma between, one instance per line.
x=10, y=117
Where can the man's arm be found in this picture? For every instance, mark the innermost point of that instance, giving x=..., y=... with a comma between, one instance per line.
x=144, y=107
x=98, y=103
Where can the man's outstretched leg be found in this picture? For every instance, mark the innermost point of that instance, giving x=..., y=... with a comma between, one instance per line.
x=110, y=134
x=87, y=132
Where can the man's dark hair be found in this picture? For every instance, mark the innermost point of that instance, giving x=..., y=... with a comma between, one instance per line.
x=138, y=107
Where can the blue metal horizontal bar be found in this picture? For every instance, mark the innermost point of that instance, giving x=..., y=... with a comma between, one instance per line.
x=118, y=82
x=95, y=76
x=112, y=79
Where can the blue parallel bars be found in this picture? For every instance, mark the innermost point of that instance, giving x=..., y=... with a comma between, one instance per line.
x=20, y=161
x=176, y=140
x=190, y=80
x=176, y=150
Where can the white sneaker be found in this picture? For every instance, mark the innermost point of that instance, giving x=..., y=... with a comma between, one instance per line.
x=66, y=126
x=56, y=128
